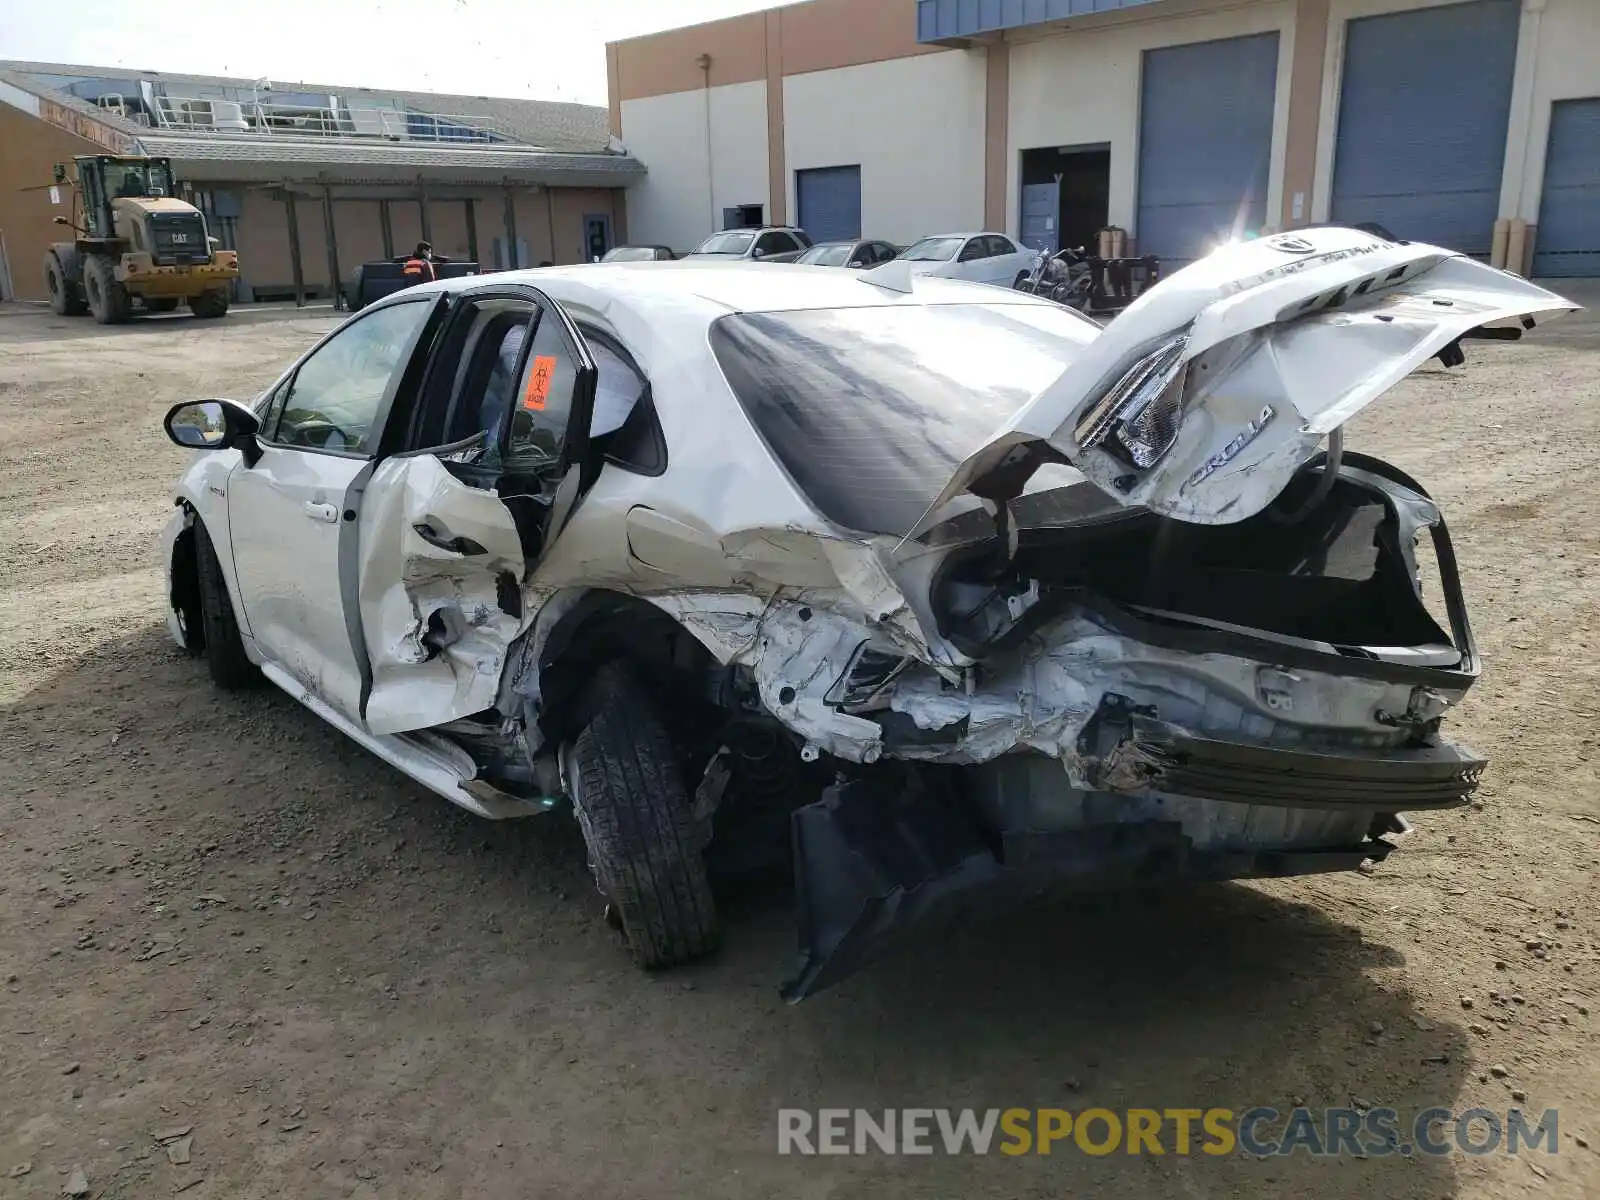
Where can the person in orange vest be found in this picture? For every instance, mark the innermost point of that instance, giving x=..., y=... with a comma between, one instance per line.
x=419, y=267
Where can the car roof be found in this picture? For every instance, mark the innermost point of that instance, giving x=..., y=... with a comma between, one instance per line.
x=714, y=287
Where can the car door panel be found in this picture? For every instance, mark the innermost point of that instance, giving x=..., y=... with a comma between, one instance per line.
x=448, y=537
x=291, y=513
x=286, y=565
x=970, y=262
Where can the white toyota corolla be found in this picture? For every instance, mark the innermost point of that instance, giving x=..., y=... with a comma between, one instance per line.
x=941, y=594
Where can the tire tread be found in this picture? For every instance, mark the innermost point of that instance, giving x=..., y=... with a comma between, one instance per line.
x=644, y=842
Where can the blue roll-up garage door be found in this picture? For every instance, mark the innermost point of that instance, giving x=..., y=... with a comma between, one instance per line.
x=1423, y=104
x=1567, y=241
x=829, y=199
x=1205, y=143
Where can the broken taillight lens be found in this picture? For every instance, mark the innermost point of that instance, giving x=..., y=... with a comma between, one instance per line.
x=1144, y=406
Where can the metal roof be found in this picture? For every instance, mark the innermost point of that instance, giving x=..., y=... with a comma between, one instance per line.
x=547, y=124
x=213, y=155
x=946, y=20
x=210, y=156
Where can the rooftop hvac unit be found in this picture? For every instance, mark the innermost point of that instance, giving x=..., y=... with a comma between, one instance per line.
x=228, y=115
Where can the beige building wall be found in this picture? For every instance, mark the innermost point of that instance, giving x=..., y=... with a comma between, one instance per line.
x=1558, y=58
x=262, y=238
x=921, y=157
x=28, y=150
x=857, y=87
x=712, y=145
x=1560, y=42
x=1082, y=88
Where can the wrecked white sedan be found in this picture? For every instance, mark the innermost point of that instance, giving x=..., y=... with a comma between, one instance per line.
x=946, y=595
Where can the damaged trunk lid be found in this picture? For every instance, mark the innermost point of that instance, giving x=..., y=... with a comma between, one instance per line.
x=1207, y=394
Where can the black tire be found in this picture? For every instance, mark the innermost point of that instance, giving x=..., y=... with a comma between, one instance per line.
x=108, y=299
x=64, y=298
x=225, y=655
x=209, y=304
x=160, y=304
x=645, y=845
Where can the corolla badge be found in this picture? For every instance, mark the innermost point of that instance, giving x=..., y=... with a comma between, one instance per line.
x=1231, y=451
x=1290, y=244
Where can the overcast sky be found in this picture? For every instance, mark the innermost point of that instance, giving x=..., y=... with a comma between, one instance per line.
x=542, y=49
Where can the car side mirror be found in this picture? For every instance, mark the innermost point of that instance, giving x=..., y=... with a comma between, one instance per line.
x=59, y=173
x=758, y=252
x=214, y=425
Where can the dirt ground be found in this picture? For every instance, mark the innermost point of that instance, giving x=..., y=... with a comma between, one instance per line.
x=216, y=912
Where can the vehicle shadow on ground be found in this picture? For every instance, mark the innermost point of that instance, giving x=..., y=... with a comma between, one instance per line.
x=1229, y=996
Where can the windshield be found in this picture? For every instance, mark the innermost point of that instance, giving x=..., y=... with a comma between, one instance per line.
x=136, y=179
x=827, y=256
x=630, y=254
x=726, y=243
x=871, y=410
x=935, y=249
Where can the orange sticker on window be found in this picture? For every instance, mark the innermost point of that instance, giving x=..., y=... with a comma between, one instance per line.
x=539, y=376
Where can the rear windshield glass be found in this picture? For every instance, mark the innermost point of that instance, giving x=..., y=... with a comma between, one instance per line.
x=870, y=410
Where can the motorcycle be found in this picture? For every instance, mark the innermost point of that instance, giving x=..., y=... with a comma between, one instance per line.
x=1064, y=277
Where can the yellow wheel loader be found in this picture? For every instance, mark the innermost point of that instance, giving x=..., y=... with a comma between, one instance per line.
x=136, y=243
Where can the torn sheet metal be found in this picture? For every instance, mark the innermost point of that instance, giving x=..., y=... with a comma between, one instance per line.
x=441, y=594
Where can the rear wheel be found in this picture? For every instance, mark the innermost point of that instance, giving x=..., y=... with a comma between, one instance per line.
x=159, y=304
x=108, y=299
x=209, y=304
x=225, y=656
x=64, y=298
x=645, y=843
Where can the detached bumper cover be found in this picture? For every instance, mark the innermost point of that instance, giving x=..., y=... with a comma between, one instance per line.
x=897, y=855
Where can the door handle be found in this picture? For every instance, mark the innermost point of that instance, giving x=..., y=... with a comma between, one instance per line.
x=321, y=512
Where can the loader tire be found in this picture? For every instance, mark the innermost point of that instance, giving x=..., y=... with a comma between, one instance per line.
x=209, y=304
x=108, y=299
x=645, y=844
x=64, y=298
x=161, y=304
x=230, y=668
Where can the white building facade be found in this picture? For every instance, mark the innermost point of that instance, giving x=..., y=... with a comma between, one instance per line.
x=1473, y=123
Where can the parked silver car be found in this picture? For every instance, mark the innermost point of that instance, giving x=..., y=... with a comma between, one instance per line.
x=777, y=243
x=861, y=252
x=940, y=593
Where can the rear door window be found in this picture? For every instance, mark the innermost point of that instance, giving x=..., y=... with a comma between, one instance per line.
x=776, y=243
x=975, y=249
